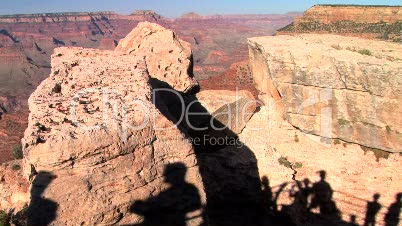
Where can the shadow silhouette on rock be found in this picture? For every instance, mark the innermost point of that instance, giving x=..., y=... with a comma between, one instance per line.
x=229, y=172
x=270, y=199
x=322, y=198
x=170, y=207
x=352, y=221
x=373, y=208
x=392, y=216
x=41, y=211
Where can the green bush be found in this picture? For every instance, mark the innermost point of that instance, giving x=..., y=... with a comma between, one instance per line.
x=343, y=122
x=297, y=140
x=4, y=219
x=285, y=162
x=388, y=128
x=365, y=52
x=17, y=152
x=297, y=165
x=337, y=141
x=16, y=167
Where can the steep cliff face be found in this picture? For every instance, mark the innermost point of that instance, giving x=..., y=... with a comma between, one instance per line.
x=334, y=86
x=379, y=22
x=97, y=143
x=327, y=14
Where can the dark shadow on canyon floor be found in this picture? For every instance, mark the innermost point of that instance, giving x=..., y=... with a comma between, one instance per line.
x=394, y=211
x=229, y=171
x=170, y=207
x=373, y=208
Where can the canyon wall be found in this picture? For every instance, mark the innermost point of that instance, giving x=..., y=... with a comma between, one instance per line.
x=333, y=86
x=378, y=22
x=327, y=14
x=27, y=41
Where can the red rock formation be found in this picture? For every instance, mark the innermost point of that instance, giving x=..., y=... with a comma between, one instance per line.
x=328, y=14
x=374, y=22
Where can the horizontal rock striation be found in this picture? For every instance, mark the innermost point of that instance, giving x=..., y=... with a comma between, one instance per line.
x=334, y=86
x=94, y=129
x=76, y=17
x=359, y=13
x=378, y=22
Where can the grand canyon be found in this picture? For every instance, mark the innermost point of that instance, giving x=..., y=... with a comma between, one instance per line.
x=276, y=119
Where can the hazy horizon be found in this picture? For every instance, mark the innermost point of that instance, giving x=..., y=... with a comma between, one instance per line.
x=173, y=8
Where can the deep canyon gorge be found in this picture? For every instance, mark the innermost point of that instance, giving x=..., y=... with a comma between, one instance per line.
x=307, y=107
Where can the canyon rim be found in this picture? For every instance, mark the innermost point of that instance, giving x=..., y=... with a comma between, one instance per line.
x=291, y=119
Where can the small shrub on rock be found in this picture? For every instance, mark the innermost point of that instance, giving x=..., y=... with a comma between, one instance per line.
x=17, y=152
x=4, y=219
x=365, y=52
x=16, y=167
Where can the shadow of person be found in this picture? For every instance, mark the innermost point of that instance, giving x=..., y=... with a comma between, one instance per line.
x=170, y=207
x=228, y=170
x=373, y=208
x=41, y=211
x=269, y=199
x=322, y=198
x=300, y=203
x=392, y=216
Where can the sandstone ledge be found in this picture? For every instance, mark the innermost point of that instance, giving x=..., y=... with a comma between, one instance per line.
x=357, y=81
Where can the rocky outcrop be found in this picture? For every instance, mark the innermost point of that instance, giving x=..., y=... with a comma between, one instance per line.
x=13, y=186
x=333, y=86
x=171, y=61
x=286, y=155
x=77, y=17
x=232, y=109
x=381, y=22
x=94, y=129
x=327, y=14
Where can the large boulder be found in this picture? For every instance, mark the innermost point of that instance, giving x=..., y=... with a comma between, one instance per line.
x=95, y=144
x=334, y=86
x=232, y=109
x=169, y=58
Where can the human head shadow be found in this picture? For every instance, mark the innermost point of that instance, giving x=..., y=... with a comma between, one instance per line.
x=229, y=172
x=41, y=211
x=171, y=206
x=392, y=216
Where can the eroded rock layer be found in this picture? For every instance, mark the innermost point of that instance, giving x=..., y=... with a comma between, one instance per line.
x=334, y=86
x=94, y=129
x=170, y=61
x=380, y=22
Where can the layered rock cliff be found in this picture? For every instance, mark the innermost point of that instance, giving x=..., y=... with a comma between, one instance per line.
x=331, y=108
x=96, y=143
x=334, y=86
x=111, y=160
x=379, y=22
